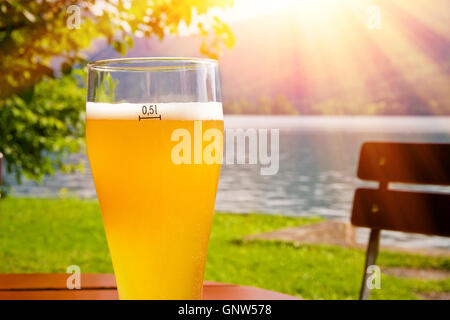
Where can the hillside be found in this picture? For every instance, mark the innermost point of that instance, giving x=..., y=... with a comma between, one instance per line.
x=332, y=66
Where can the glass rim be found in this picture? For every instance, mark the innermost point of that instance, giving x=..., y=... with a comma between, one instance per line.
x=115, y=64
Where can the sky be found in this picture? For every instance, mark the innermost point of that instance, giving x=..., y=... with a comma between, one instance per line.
x=246, y=9
x=316, y=11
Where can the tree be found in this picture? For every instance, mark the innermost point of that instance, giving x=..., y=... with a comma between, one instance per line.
x=41, y=118
x=232, y=107
x=42, y=126
x=282, y=105
x=263, y=106
x=33, y=33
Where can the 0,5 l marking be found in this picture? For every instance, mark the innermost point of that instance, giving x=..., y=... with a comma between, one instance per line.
x=146, y=118
x=149, y=113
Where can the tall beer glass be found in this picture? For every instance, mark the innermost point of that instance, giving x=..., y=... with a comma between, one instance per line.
x=154, y=131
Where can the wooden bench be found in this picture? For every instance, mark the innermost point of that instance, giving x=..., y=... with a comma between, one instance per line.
x=416, y=212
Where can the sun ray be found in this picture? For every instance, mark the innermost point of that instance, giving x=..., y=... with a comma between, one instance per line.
x=337, y=62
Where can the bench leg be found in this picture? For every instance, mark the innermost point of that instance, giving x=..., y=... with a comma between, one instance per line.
x=371, y=258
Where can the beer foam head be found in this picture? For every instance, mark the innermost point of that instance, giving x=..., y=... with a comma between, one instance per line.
x=165, y=111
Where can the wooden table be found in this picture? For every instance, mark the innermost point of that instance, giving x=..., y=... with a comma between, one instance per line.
x=103, y=287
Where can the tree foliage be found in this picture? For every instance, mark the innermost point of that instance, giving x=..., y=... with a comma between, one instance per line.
x=280, y=105
x=42, y=126
x=41, y=117
x=33, y=33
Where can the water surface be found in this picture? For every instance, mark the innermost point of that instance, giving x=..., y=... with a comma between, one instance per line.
x=317, y=168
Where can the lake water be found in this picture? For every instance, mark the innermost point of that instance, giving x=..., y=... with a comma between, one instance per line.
x=317, y=167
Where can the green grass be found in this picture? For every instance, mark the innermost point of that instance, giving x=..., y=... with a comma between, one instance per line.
x=38, y=235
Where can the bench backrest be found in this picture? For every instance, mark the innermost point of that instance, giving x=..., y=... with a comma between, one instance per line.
x=417, y=212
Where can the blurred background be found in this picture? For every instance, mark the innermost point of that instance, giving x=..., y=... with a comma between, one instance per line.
x=329, y=74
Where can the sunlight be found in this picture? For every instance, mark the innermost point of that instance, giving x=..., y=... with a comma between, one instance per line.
x=337, y=53
x=246, y=9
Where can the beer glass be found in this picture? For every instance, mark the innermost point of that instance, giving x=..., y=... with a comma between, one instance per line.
x=154, y=132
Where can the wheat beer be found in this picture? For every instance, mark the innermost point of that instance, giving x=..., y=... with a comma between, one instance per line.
x=157, y=212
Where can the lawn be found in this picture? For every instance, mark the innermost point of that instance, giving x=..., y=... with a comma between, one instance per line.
x=47, y=235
